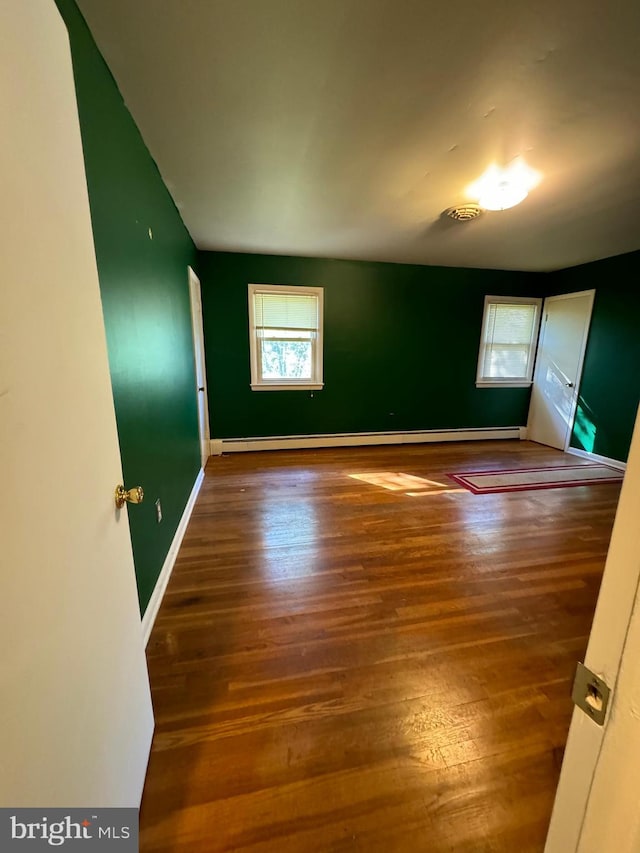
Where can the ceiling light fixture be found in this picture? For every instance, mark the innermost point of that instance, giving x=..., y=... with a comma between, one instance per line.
x=502, y=188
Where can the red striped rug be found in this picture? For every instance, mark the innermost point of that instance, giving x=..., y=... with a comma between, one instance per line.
x=523, y=479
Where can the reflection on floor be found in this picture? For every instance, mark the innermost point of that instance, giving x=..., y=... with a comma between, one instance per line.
x=335, y=667
x=398, y=482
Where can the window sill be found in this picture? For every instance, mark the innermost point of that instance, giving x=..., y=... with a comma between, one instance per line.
x=507, y=384
x=290, y=386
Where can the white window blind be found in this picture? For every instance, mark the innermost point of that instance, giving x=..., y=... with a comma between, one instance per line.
x=285, y=336
x=286, y=311
x=509, y=334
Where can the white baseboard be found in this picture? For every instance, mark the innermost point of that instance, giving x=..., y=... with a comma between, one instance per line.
x=595, y=457
x=163, y=578
x=359, y=439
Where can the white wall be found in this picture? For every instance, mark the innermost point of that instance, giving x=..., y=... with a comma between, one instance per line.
x=75, y=711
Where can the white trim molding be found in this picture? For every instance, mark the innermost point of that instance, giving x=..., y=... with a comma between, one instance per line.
x=491, y=383
x=290, y=387
x=595, y=457
x=359, y=439
x=163, y=578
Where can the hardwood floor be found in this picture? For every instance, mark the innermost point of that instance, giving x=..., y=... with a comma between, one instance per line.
x=340, y=666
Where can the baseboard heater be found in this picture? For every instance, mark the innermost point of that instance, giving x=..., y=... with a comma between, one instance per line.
x=359, y=439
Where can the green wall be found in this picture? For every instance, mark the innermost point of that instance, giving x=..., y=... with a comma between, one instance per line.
x=610, y=388
x=400, y=347
x=146, y=306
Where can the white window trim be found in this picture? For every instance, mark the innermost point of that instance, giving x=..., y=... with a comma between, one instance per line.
x=259, y=384
x=509, y=382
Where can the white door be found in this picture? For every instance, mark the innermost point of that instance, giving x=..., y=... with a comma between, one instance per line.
x=75, y=716
x=201, y=373
x=554, y=396
x=596, y=807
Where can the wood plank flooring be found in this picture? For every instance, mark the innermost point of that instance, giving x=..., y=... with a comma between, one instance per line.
x=370, y=663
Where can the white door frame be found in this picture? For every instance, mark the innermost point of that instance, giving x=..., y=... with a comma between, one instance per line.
x=195, y=296
x=588, y=787
x=583, y=350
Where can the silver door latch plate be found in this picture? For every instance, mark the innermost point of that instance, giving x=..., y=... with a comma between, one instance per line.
x=591, y=694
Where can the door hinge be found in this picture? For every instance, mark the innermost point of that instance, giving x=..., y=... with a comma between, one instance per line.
x=591, y=694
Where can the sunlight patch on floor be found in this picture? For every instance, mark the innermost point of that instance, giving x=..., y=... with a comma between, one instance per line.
x=395, y=481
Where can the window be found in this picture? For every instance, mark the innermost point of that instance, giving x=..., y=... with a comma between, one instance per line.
x=508, y=342
x=285, y=337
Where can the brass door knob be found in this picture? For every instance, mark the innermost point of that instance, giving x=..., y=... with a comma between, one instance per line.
x=131, y=496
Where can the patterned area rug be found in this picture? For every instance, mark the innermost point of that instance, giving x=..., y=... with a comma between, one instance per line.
x=522, y=479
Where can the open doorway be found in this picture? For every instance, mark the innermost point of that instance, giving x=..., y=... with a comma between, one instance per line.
x=195, y=294
x=563, y=340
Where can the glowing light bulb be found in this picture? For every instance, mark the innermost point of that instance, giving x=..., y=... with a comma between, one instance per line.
x=500, y=189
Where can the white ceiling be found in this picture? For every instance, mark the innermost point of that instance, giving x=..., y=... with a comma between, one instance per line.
x=343, y=128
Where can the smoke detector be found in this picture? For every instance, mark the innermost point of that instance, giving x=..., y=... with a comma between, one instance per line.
x=464, y=212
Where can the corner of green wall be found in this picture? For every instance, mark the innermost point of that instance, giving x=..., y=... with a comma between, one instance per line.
x=142, y=251
x=609, y=392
